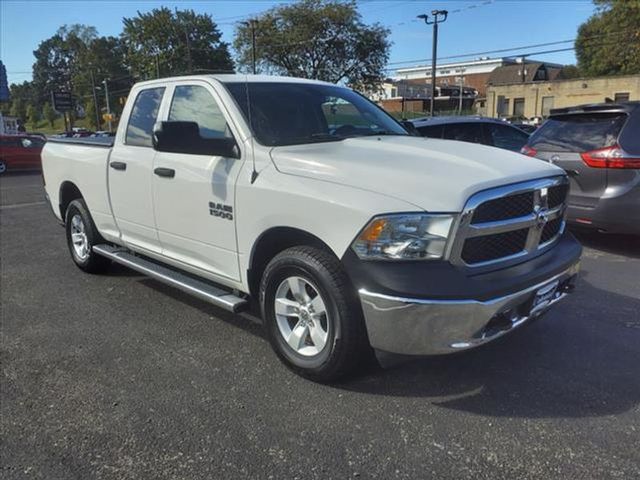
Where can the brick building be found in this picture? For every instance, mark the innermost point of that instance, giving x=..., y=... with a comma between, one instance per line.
x=533, y=98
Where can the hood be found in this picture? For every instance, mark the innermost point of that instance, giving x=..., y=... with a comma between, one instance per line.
x=434, y=175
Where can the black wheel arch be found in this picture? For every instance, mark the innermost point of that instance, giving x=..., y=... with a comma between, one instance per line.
x=273, y=241
x=68, y=193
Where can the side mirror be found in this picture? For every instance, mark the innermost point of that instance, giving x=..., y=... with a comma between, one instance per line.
x=411, y=128
x=184, y=137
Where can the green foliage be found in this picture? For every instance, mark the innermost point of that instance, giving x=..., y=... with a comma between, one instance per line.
x=33, y=115
x=569, y=71
x=49, y=113
x=72, y=59
x=320, y=39
x=90, y=115
x=164, y=42
x=19, y=109
x=609, y=42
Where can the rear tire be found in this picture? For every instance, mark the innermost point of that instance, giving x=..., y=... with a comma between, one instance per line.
x=82, y=235
x=312, y=316
x=3, y=167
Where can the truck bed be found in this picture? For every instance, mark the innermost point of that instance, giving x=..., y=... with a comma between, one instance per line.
x=103, y=142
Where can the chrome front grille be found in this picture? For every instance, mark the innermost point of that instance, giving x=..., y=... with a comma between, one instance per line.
x=508, y=223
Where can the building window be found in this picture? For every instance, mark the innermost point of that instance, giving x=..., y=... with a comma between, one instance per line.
x=394, y=92
x=518, y=107
x=547, y=105
x=621, y=97
x=503, y=106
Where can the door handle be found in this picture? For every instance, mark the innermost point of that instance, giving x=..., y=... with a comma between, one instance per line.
x=165, y=172
x=118, y=165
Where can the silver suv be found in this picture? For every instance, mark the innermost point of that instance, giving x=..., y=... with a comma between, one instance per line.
x=599, y=148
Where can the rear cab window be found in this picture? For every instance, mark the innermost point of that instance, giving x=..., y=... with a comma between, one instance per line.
x=581, y=132
x=143, y=117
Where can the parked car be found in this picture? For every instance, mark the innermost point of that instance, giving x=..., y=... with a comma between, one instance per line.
x=527, y=128
x=599, y=147
x=20, y=152
x=348, y=232
x=487, y=131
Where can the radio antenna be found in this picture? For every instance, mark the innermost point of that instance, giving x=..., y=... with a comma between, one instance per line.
x=254, y=172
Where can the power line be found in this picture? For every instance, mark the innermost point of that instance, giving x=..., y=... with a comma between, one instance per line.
x=503, y=50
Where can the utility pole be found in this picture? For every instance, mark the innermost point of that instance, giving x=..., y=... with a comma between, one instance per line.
x=439, y=16
x=460, y=102
x=106, y=96
x=95, y=100
x=252, y=24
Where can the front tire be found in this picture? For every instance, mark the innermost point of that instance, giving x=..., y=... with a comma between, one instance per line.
x=3, y=167
x=312, y=316
x=82, y=235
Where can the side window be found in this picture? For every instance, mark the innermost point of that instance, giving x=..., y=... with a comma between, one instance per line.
x=193, y=103
x=338, y=112
x=143, y=116
x=464, y=132
x=433, y=131
x=505, y=137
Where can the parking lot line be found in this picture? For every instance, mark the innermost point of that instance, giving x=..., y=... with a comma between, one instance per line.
x=19, y=205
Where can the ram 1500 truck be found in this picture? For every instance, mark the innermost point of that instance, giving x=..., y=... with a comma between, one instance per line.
x=350, y=234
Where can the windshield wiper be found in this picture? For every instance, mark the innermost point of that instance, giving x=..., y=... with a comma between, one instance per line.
x=379, y=133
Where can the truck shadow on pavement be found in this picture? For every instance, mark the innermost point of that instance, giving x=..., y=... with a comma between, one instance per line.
x=575, y=362
x=581, y=360
x=627, y=245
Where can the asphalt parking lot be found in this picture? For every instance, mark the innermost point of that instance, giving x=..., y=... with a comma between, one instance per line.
x=117, y=376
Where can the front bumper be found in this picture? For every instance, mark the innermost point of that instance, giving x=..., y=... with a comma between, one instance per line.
x=428, y=327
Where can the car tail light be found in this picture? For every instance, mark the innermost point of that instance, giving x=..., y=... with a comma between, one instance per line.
x=610, y=157
x=527, y=150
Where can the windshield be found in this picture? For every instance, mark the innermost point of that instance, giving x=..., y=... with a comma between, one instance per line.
x=297, y=113
x=578, y=132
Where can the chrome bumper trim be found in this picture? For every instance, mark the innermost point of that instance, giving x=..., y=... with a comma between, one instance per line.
x=427, y=327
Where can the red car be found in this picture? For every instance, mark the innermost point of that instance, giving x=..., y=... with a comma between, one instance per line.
x=20, y=152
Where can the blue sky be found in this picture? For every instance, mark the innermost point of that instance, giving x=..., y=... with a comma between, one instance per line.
x=478, y=26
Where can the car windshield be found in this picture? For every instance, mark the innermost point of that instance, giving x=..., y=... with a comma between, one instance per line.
x=284, y=113
x=578, y=132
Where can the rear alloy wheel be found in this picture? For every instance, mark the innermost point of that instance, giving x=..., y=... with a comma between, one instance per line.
x=312, y=314
x=82, y=235
x=3, y=167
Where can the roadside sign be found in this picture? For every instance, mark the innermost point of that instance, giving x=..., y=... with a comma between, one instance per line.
x=62, y=101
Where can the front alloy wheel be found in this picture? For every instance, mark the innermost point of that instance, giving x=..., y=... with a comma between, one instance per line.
x=302, y=316
x=312, y=314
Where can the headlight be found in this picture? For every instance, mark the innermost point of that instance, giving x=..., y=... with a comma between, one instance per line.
x=404, y=237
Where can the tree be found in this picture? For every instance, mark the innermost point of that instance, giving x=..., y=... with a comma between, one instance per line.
x=33, y=116
x=569, y=71
x=49, y=113
x=90, y=115
x=320, y=39
x=59, y=60
x=19, y=109
x=164, y=42
x=608, y=43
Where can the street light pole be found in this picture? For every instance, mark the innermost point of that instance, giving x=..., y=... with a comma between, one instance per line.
x=106, y=96
x=439, y=16
x=95, y=100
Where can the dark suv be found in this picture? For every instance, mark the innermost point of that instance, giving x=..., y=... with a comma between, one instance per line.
x=488, y=131
x=599, y=148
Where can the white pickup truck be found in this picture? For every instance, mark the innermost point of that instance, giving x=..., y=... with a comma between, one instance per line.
x=348, y=232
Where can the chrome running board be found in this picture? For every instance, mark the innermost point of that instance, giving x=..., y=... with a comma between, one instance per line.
x=193, y=286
